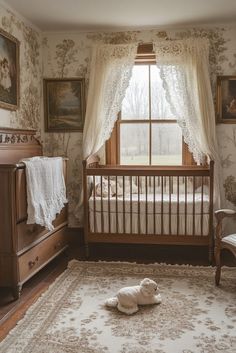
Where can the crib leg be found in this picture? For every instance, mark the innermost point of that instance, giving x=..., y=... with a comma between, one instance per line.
x=210, y=254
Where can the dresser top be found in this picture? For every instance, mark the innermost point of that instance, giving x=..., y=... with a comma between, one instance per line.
x=16, y=144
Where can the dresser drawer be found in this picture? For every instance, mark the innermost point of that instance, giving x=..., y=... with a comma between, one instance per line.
x=34, y=259
x=29, y=234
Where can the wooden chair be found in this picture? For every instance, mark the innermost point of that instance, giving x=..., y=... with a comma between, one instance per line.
x=223, y=242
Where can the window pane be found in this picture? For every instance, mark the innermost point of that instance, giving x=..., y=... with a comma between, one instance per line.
x=134, y=144
x=166, y=144
x=160, y=108
x=135, y=103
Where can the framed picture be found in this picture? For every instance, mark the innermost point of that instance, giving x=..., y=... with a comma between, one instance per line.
x=9, y=71
x=226, y=99
x=64, y=104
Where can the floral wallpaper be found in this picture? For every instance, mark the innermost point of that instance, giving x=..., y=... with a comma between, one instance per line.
x=29, y=113
x=68, y=55
x=62, y=55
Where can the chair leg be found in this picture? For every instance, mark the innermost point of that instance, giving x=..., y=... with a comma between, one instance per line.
x=210, y=255
x=217, y=275
x=218, y=265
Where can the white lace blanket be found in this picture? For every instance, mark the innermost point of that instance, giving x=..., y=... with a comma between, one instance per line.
x=46, y=191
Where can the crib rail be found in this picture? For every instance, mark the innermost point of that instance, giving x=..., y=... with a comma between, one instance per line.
x=151, y=204
x=149, y=171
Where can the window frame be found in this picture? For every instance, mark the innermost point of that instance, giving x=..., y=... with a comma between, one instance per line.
x=145, y=56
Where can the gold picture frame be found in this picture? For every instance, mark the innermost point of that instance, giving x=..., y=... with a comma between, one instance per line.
x=226, y=100
x=64, y=104
x=9, y=71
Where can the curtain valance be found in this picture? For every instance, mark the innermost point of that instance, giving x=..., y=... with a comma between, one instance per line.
x=175, y=51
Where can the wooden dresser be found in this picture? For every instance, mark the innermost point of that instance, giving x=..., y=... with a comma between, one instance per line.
x=24, y=248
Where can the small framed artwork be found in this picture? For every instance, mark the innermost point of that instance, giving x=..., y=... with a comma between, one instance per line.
x=9, y=71
x=64, y=104
x=226, y=99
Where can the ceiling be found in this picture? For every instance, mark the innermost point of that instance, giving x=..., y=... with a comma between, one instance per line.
x=91, y=15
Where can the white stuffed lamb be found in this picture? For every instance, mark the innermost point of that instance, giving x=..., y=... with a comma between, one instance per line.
x=128, y=298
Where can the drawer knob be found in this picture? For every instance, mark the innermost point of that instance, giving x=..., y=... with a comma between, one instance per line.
x=32, y=263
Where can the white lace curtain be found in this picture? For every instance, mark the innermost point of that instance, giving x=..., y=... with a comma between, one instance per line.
x=183, y=66
x=110, y=72
x=111, y=69
x=184, y=70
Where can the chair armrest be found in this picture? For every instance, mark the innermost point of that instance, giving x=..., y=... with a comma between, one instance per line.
x=220, y=214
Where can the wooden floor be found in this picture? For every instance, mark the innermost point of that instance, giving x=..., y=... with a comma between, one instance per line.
x=12, y=311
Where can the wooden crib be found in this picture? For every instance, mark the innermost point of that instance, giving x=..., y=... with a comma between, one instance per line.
x=148, y=205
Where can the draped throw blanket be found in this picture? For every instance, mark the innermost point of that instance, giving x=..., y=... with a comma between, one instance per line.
x=46, y=191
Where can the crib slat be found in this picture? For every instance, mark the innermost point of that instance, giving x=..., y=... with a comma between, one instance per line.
x=109, y=206
x=131, y=209
x=194, y=183
x=124, y=205
x=202, y=208
x=89, y=216
x=139, y=224
x=154, y=204
x=102, y=218
x=162, y=208
x=185, y=204
x=169, y=205
x=116, y=207
x=94, y=205
x=177, y=205
x=146, y=206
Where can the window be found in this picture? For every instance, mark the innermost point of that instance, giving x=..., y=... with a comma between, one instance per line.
x=146, y=132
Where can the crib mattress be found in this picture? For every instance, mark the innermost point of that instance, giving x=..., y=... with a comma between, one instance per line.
x=163, y=203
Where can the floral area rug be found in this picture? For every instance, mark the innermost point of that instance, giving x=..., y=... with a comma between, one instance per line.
x=70, y=317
